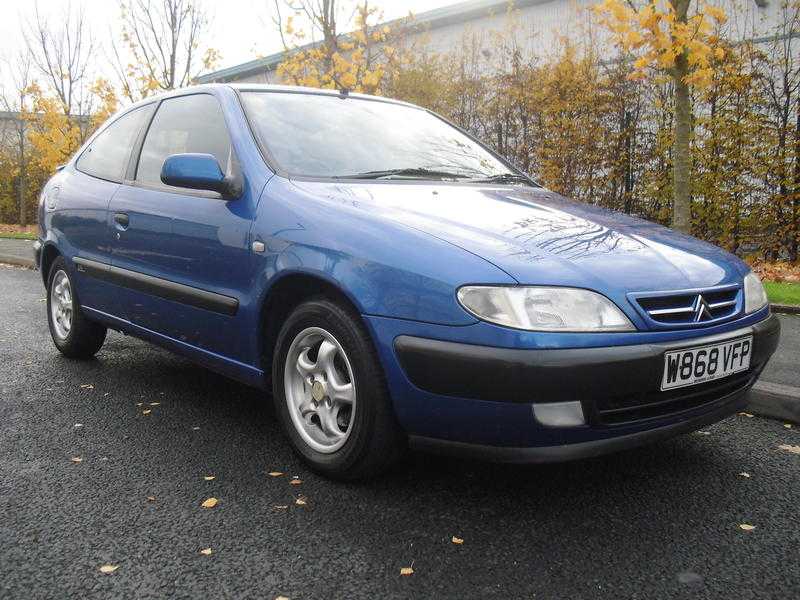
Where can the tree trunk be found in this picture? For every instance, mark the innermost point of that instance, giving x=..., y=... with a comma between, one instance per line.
x=794, y=233
x=23, y=221
x=681, y=155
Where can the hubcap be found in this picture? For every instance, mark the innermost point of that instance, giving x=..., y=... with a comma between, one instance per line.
x=320, y=389
x=61, y=309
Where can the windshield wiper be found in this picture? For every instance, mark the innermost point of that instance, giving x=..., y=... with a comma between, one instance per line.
x=505, y=178
x=411, y=173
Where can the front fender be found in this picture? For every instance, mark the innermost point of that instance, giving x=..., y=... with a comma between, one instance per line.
x=386, y=268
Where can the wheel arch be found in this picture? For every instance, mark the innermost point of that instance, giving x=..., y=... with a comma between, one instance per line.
x=285, y=293
x=49, y=254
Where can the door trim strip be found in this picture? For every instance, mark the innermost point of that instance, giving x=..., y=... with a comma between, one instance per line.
x=163, y=288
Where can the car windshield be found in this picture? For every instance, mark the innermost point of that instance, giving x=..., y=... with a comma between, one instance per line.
x=316, y=135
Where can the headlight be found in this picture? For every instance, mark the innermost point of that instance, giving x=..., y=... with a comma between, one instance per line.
x=755, y=298
x=544, y=308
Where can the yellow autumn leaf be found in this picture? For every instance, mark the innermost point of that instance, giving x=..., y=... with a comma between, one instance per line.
x=151, y=498
x=274, y=473
x=407, y=571
x=746, y=527
x=108, y=568
x=209, y=477
x=146, y=411
x=787, y=425
x=209, y=503
x=87, y=386
x=76, y=459
x=745, y=475
x=301, y=501
x=206, y=551
x=457, y=540
x=744, y=414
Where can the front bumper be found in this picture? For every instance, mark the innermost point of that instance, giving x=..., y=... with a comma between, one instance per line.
x=478, y=400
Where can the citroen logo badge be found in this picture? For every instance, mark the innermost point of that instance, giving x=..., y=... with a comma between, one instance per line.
x=702, y=311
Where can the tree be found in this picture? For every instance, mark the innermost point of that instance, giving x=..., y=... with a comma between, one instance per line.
x=665, y=36
x=56, y=136
x=63, y=55
x=162, y=46
x=780, y=82
x=362, y=60
x=18, y=102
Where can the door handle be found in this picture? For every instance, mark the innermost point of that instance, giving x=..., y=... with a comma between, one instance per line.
x=122, y=220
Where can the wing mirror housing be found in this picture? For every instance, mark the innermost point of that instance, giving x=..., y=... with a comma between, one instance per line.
x=200, y=172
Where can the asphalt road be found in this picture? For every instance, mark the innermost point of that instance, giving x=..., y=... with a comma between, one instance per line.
x=657, y=522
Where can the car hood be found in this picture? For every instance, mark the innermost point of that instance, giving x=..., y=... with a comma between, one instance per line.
x=539, y=237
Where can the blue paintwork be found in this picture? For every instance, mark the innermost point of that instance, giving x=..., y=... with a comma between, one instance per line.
x=397, y=249
x=194, y=171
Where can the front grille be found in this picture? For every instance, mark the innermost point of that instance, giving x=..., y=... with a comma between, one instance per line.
x=649, y=405
x=690, y=307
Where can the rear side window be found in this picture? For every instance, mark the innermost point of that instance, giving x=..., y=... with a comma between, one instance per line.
x=107, y=156
x=184, y=124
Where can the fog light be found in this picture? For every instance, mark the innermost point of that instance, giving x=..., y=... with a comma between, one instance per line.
x=559, y=414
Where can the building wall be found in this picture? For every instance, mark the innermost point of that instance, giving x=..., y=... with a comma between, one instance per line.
x=538, y=28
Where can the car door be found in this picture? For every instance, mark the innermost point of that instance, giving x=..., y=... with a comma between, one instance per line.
x=183, y=255
x=80, y=202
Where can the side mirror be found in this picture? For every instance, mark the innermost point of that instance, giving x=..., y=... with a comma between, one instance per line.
x=199, y=172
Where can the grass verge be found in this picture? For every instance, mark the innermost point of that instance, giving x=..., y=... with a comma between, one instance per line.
x=783, y=293
x=15, y=235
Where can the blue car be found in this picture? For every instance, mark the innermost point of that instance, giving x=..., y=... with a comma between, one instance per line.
x=391, y=281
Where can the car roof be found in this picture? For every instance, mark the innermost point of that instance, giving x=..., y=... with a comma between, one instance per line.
x=260, y=87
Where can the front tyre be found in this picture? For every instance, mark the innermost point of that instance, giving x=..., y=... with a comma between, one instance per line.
x=330, y=393
x=73, y=334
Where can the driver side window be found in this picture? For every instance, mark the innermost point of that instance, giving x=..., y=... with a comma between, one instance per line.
x=186, y=124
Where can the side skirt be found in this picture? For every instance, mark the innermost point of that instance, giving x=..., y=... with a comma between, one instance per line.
x=239, y=371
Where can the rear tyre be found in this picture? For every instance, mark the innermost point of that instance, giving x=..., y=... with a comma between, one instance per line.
x=331, y=395
x=73, y=334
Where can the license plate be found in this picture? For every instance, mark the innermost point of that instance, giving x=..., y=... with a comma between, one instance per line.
x=701, y=364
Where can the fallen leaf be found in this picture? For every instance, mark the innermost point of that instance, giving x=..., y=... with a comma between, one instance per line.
x=209, y=477
x=274, y=473
x=296, y=481
x=195, y=429
x=146, y=411
x=745, y=475
x=139, y=403
x=78, y=424
x=76, y=459
x=108, y=568
x=281, y=598
x=407, y=571
x=787, y=425
x=457, y=540
x=788, y=448
x=87, y=386
x=206, y=551
x=209, y=503
x=703, y=432
x=280, y=506
x=301, y=501
x=746, y=527
x=151, y=498
x=744, y=414
x=155, y=403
